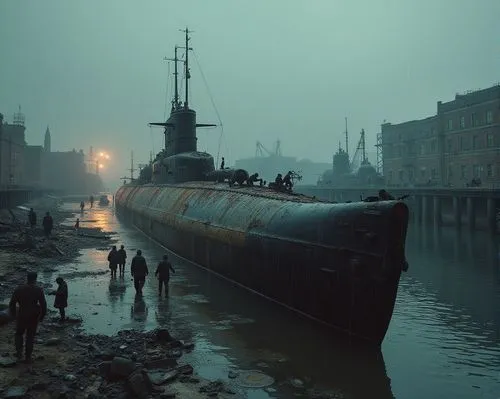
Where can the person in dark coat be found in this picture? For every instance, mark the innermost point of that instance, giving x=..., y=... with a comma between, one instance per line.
x=32, y=309
x=139, y=271
x=163, y=273
x=61, y=300
x=122, y=256
x=113, y=259
x=32, y=218
x=287, y=181
x=48, y=224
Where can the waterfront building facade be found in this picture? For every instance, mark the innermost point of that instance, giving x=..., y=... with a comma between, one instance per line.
x=457, y=147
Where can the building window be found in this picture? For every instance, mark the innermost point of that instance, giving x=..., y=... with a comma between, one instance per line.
x=475, y=143
x=489, y=170
x=489, y=140
x=462, y=122
x=422, y=149
x=463, y=171
x=401, y=175
x=450, y=172
x=450, y=124
x=489, y=117
x=390, y=175
x=422, y=173
x=433, y=173
x=474, y=121
x=433, y=146
x=476, y=171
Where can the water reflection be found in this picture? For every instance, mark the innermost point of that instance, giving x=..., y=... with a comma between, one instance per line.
x=460, y=268
x=139, y=311
x=446, y=318
x=116, y=289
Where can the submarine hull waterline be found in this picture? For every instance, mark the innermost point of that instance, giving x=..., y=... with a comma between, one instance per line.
x=337, y=263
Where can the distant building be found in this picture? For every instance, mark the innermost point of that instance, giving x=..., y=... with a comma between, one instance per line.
x=457, y=147
x=37, y=166
x=33, y=155
x=64, y=171
x=12, y=146
x=46, y=141
x=410, y=152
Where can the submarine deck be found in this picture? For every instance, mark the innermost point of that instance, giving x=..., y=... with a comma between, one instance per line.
x=258, y=191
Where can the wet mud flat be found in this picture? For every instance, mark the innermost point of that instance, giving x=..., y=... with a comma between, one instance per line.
x=23, y=248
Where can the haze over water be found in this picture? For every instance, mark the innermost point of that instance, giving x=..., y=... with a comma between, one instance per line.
x=443, y=341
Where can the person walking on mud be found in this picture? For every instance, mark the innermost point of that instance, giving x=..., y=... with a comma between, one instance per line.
x=61, y=299
x=82, y=205
x=113, y=259
x=32, y=218
x=122, y=256
x=163, y=273
x=32, y=309
x=48, y=224
x=139, y=271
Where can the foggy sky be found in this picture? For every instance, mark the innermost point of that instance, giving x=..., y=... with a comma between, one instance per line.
x=93, y=70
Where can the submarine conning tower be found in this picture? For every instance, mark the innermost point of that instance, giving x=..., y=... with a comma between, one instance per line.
x=180, y=132
x=180, y=161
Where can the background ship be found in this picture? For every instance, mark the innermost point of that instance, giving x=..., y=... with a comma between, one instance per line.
x=337, y=263
x=269, y=162
x=351, y=172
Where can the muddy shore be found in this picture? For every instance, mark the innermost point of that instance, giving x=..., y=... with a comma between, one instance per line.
x=67, y=362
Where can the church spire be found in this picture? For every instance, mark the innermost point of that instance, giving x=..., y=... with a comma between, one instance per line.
x=46, y=143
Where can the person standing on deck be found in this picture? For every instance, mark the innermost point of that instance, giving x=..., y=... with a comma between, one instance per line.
x=139, y=271
x=163, y=273
x=32, y=309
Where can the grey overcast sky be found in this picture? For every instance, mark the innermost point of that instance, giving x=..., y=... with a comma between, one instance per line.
x=93, y=70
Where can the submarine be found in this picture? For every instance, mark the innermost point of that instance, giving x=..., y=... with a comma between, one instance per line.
x=339, y=264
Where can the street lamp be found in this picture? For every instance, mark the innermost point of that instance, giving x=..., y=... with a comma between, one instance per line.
x=99, y=158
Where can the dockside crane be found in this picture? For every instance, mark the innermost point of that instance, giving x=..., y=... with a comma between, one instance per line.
x=260, y=149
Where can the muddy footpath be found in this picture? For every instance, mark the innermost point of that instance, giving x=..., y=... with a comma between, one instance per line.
x=69, y=363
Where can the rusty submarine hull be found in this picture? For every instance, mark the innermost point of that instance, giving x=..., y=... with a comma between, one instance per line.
x=339, y=264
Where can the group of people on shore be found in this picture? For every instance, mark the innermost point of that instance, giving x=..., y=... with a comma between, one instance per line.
x=139, y=269
x=47, y=222
x=29, y=306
